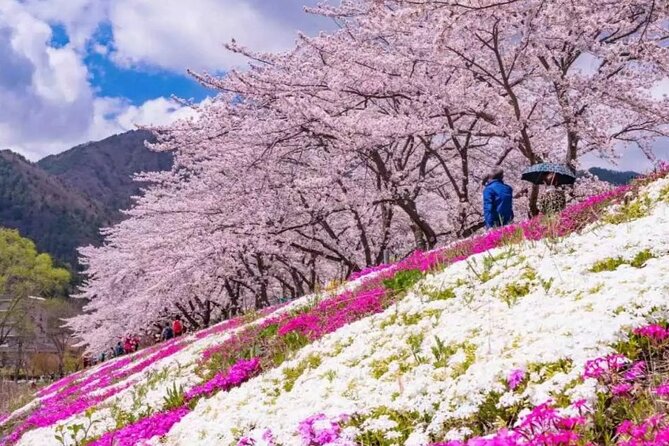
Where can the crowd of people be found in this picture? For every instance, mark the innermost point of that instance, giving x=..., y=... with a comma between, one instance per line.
x=131, y=343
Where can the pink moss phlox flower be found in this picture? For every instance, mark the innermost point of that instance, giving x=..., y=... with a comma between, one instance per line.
x=604, y=366
x=662, y=389
x=638, y=370
x=234, y=376
x=543, y=426
x=133, y=434
x=369, y=270
x=621, y=389
x=266, y=439
x=515, y=377
x=320, y=430
x=48, y=414
x=653, y=431
x=653, y=332
x=333, y=313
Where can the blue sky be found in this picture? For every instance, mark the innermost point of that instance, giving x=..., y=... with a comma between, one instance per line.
x=136, y=84
x=81, y=70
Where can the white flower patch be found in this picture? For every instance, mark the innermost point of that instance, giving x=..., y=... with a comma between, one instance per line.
x=514, y=307
x=568, y=312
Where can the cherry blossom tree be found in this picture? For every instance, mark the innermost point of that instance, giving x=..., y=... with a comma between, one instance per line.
x=361, y=145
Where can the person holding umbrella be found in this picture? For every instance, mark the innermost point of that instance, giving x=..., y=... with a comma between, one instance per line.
x=497, y=200
x=553, y=200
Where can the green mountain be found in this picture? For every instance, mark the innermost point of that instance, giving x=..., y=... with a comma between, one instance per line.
x=62, y=201
x=42, y=208
x=103, y=170
x=613, y=176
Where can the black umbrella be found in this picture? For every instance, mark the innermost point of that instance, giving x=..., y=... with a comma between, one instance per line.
x=536, y=173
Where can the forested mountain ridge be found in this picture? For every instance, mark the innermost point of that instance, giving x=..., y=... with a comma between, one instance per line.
x=104, y=170
x=63, y=200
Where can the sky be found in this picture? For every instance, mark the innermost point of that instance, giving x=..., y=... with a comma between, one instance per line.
x=73, y=71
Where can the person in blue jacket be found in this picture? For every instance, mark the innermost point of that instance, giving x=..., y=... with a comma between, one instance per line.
x=497, y=200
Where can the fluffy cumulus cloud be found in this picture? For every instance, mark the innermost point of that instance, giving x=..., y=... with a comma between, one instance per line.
x=50, y=97
x=174, y=34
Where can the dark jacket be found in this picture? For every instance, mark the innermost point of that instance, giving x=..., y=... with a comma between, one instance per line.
x=167, y=333
x=497, y=204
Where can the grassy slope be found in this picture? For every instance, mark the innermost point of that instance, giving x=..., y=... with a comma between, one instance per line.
x=425, y=369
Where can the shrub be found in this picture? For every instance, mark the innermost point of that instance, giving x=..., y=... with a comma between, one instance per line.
x=403, y=280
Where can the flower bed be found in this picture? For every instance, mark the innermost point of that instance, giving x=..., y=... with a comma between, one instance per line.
x=404, y=324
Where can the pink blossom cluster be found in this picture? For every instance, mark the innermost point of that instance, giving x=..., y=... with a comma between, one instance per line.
x=157, y=424
x=543, y=426
x=653, y=431
x=332, y=314
x=603, y=366
x=72, y=398
x=515, y=377
x=320, y=430
x=662, y=390
x=234, y=376
x=616, y=371
x=49, y=414
x=266, y=439
x=654, y=332
x=369, y=270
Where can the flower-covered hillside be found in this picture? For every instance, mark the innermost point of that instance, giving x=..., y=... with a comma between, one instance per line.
x=535, y=334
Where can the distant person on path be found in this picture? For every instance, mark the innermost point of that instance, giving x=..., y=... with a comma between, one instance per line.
x=167, y=333
x=127, y=345
x=497, y=200
x=118, y=351
x=553, y=200
x=177, y=327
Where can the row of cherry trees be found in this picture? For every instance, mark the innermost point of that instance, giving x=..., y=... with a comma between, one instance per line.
x=363, y=144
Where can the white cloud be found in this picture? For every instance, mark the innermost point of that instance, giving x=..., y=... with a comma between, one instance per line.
x=48, y=102
x=176, y=35
x=114, y=115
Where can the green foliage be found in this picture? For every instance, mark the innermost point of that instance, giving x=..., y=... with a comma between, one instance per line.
x=437, y=294
x=470, y=357
x=529, y=274
x=411, y=319
x=664, y=194
x=405, y=422
x=627, y=212
x=486, y=274
x=24, y=271
x=175, y=397
x=640, y=259
x=390, y=320
x=292, y=374
x=549, y=369
x=76, y=434
x=512, y=292
x=608, y=264
x=546, y=284
x=612, y=263
x=441, y=352
x=403, y=280
x=381, y=366
x=414, y=342
x=491, y=416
